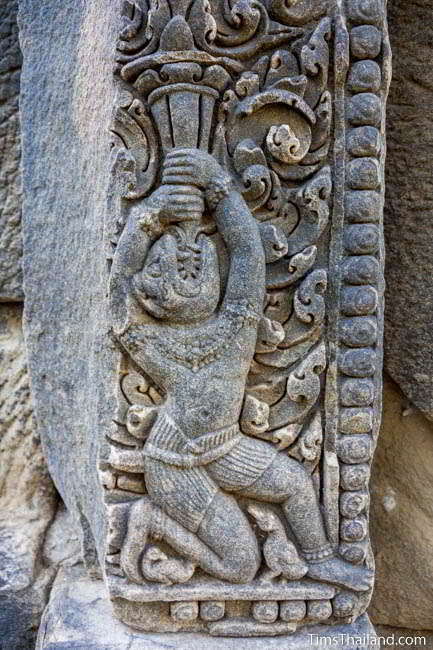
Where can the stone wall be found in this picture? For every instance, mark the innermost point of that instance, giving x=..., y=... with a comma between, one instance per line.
x=402, y=515
x=27, y=495
x=10, y=191
x=34, y=527
x=409, y=203
x=402, y=512
x=36, y=536
x=28, y=500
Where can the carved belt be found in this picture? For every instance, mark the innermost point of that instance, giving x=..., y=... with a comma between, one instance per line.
x=168, y=443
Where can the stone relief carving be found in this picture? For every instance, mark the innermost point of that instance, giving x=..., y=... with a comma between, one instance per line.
x=236, y=486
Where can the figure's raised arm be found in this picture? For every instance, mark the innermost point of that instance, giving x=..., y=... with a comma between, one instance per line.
x=241, y=236
x=233, y=218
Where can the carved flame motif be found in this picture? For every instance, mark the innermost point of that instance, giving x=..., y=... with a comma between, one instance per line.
x=218, y=304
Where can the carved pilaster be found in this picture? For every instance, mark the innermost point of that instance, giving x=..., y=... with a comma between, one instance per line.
x=245, y=248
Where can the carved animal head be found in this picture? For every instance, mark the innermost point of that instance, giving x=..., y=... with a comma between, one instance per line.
x=254, y=416
x=139, y=420
x=265, y=518
x=269, y=335
x=180, y=280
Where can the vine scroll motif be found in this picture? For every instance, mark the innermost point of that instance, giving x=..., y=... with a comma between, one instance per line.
x=221, y=488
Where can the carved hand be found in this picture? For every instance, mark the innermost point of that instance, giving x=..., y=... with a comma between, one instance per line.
x=192, y=166
x=171, y=204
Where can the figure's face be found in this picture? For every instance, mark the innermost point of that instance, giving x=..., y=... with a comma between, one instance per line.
x=178, y=282
x=153, y=283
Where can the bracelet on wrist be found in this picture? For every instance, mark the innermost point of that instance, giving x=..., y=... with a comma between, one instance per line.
x=217, y=190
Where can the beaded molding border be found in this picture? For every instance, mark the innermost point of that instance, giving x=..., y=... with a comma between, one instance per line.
x=359, y=350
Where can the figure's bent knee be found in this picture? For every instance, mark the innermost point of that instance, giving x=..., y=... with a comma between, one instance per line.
x=298, y=471
x=228, y=533
x=286, y=477
x=246, y=564
x=241, y=557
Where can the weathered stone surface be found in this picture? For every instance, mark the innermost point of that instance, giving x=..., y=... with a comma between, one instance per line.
x=79, y=617
x=409, y=204
x=66, y=103
x=220, y=466
x=394, y=523
x=230, y=378
x=402, y=516
x=10, y=190
x=27, y=497
x=62, y=544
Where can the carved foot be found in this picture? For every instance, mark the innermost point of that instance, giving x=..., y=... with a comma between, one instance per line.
x=341, y=573
x=268, y=576
x=156, y=566
x=295, y=571
x=146, y=521
x=139, y=523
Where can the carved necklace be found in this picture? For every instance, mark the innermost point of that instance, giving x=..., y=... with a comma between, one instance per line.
x=202, y=346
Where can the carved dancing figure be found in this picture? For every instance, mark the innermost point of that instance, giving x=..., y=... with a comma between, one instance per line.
x=198, y=346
